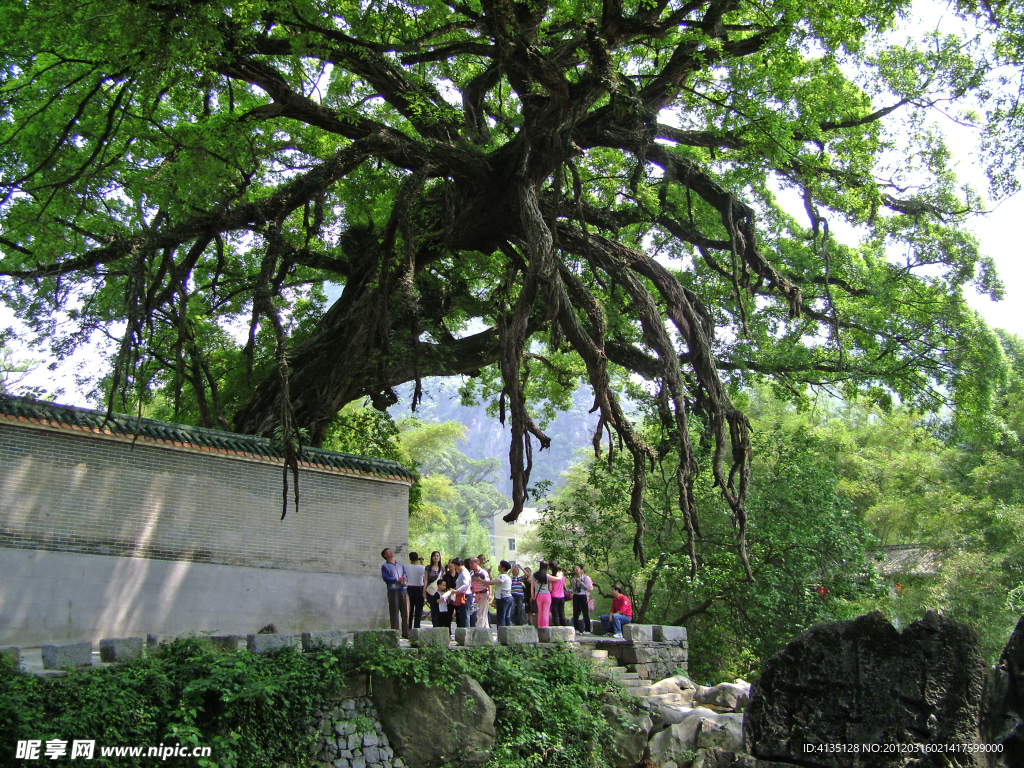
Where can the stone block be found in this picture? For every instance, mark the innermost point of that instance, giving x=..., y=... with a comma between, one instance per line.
x=372, y=755
x=268, y=643
x=638, y=633
x=389, y=638
x=12, y=653
x=470, y=636
x=556, y=634
x=597, y=628
x=67, y=655
x=331, y=638
x=667, y=634
x=642, y=654
x=524, y=635
x=116, y=649
x=430, y=636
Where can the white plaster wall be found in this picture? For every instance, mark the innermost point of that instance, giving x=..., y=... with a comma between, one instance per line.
x=48, y=596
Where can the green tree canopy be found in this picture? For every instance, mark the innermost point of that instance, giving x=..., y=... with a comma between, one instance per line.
x=808, y=548
x=545, y=191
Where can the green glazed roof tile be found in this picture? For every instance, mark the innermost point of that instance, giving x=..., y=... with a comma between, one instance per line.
x=18, y=408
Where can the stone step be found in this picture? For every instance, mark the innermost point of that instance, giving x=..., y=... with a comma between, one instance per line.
x=674, y=699
x=638, y=691
x=664, y=698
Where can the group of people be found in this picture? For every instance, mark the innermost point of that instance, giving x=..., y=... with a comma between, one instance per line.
x=462, y=592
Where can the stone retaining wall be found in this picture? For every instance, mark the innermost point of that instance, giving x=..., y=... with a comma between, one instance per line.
x=650, y=660
x=667, y=652
x=351, y=736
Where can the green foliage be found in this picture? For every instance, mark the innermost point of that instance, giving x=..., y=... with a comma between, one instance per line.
x=952, y=488
x=457, y=492
x=14, y=369
x=174, y=175
x=255, y=710
x=803, y=534
x=547, y=709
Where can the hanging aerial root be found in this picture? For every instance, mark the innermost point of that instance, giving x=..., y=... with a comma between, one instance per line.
x=727, y=425
x=263, y=304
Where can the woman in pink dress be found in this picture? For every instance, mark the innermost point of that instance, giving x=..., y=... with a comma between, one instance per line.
x=543, y=598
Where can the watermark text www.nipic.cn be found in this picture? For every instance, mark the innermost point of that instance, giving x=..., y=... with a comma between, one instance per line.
x=899, y=748
x=53, y=749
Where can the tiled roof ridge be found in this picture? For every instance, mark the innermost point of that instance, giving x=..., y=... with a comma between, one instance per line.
x=28, y=409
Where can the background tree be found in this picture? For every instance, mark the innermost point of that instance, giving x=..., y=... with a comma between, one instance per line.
x=555, y=190
x=13, y=371
x=952, y=487
x=453, y=495
x=809, y=550
x=458, y=492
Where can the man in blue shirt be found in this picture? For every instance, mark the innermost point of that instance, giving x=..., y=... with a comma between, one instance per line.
x=394, y=576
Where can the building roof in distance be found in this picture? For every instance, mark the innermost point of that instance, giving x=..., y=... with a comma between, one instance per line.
x=909, y=560
x=53, y=415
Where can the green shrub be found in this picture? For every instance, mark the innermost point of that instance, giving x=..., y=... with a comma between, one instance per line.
x=254, y=711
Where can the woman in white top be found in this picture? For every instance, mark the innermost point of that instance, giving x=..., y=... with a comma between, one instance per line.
x=503, y=601
x=414, y=586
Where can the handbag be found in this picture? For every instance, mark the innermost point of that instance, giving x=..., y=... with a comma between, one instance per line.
x=432, y=587
x=460, y=599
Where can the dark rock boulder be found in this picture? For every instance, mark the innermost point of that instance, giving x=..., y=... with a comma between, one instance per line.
x=430, y=727
x=1002, y=716
x=842, y=694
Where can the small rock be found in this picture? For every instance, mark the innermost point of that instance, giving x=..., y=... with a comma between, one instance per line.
x=227, y=643
x=725, y=696
x=524, y=635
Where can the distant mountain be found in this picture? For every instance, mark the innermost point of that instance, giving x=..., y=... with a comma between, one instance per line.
x=570, y=431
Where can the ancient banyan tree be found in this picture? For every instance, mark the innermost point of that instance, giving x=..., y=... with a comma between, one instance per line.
x=275, y=209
